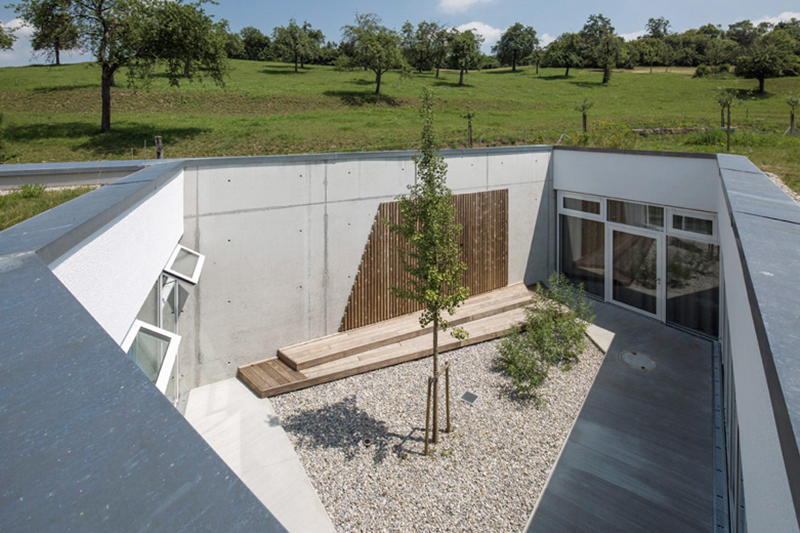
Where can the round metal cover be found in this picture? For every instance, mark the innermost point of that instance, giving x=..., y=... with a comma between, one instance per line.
x=638, y=360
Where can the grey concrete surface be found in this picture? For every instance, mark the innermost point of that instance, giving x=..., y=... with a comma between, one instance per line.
x=247, y=434
x=640, y=456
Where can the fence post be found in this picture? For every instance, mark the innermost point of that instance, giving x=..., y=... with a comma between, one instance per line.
x=449, y=426
x=159, y=148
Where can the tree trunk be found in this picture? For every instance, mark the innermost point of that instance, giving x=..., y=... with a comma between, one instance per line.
x=106, y=82
x=514, y=62
x=761, y=84
x=566, y=74
x=651, y=68
x=295, y=64
x=606, y=74
x=722, y=117
x=584, y=123
x=186, y=68
x=791, y=122
x=378, y=82
x=537, y=68
x=461, y=78
x=437, y=72
x=435, y=383
x=58, y=56
x=728, y=129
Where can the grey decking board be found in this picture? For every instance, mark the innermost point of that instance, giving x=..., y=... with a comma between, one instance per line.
x=640, y=456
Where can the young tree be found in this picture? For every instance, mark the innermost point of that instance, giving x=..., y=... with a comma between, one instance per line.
x=465, y=51
x=54, y=31
x=583, y=107
x=770, y=56
x=564, y=52
x=431, y=256
x=292, y=44
x=256, y=44
x=793, y=100
x=725, y=99
x=602, y=44
x=375, y=47
x=516, y=43
x=139, y=33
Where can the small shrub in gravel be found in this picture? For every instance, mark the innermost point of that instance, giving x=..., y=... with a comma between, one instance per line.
x=553, y=333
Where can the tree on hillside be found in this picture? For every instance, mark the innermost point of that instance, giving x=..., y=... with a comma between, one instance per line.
x=256, y=44
x=465, y=51
x=770, y=56
x=602, y=44
x=54, y=31
x=7, y=37
x=657, y=28
x=743, y=32
x=139, y=33
x=234, y=46
x=419, y=44
x=720, y=52
x=316, y=39
x=440, y=47
x=711, y=31
x=374, y=47
x=184, y=39
x=516, y=43
x=432, y=255
x=564, y=52
x=291, y=44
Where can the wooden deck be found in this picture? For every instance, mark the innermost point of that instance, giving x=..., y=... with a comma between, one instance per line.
x=485, y=317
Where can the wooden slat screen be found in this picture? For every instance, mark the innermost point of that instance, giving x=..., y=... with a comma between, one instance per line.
x=484, y=243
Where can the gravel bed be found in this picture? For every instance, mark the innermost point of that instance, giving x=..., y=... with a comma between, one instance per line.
x=484, y=476
x=779, y=182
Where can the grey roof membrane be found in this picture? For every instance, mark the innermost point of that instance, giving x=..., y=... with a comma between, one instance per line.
x=767, y=225
x=86, y=442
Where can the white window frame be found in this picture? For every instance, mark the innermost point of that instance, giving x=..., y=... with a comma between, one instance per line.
x=170, y=357
x=601, y=217
x=690, y=235
x=647, y=207
x=195, y=277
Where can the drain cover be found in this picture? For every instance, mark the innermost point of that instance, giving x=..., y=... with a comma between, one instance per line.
x=638, y=360
x=470, y=397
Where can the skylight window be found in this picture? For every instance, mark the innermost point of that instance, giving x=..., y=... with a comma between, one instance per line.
x=185, y=265
x=154, y=350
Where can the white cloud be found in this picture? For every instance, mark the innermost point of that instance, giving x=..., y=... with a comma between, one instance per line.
x=786, y=15
x=489, y=33
x=459, y=6
x=633, y=36
x=545, y=39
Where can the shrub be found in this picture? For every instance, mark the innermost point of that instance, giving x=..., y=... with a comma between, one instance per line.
x=553, y=333
x=706, y=137
x=701, y=71
x=31, y=190
x=614, y=136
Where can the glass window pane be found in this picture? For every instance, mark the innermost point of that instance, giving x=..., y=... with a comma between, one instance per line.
x=698, y=225
x=583, y=253
x=636, y=271
x=693, y=285
x=633, y=214
x=185, y=263
x=148, y=351
x=169, y=318
x=677, y=222
x=587, y=206
x=172, y=386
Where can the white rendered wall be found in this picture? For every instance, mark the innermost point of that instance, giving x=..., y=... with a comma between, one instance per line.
x=283, y=243
x=687, y=182
x=112, y=271
x=768, y=500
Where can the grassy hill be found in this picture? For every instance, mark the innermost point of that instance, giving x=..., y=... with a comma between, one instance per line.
x=52, y=113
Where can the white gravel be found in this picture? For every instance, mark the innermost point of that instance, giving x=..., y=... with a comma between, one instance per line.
x=484, y=476
x=779, y=182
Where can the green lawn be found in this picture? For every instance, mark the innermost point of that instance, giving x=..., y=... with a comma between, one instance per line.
x=52, y=113
x=26, y=202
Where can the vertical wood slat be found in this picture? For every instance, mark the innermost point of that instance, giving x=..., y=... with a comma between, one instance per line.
x=484, y=247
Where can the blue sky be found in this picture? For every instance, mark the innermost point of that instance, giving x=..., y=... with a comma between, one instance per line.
x=490, y=17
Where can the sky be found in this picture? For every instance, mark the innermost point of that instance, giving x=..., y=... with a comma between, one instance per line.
x=490, y=17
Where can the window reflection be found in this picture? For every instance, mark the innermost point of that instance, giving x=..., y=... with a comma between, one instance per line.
x=583, y=253
x=693, y=285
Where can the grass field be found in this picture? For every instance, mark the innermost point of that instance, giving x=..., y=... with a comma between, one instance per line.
x=52, y=113
x=26, y=202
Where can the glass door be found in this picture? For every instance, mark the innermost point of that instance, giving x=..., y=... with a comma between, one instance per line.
x=634, y=279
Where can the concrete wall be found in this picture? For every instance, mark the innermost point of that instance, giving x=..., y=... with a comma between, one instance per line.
x=283, y=239
x=674, y=181
x=111, y=272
